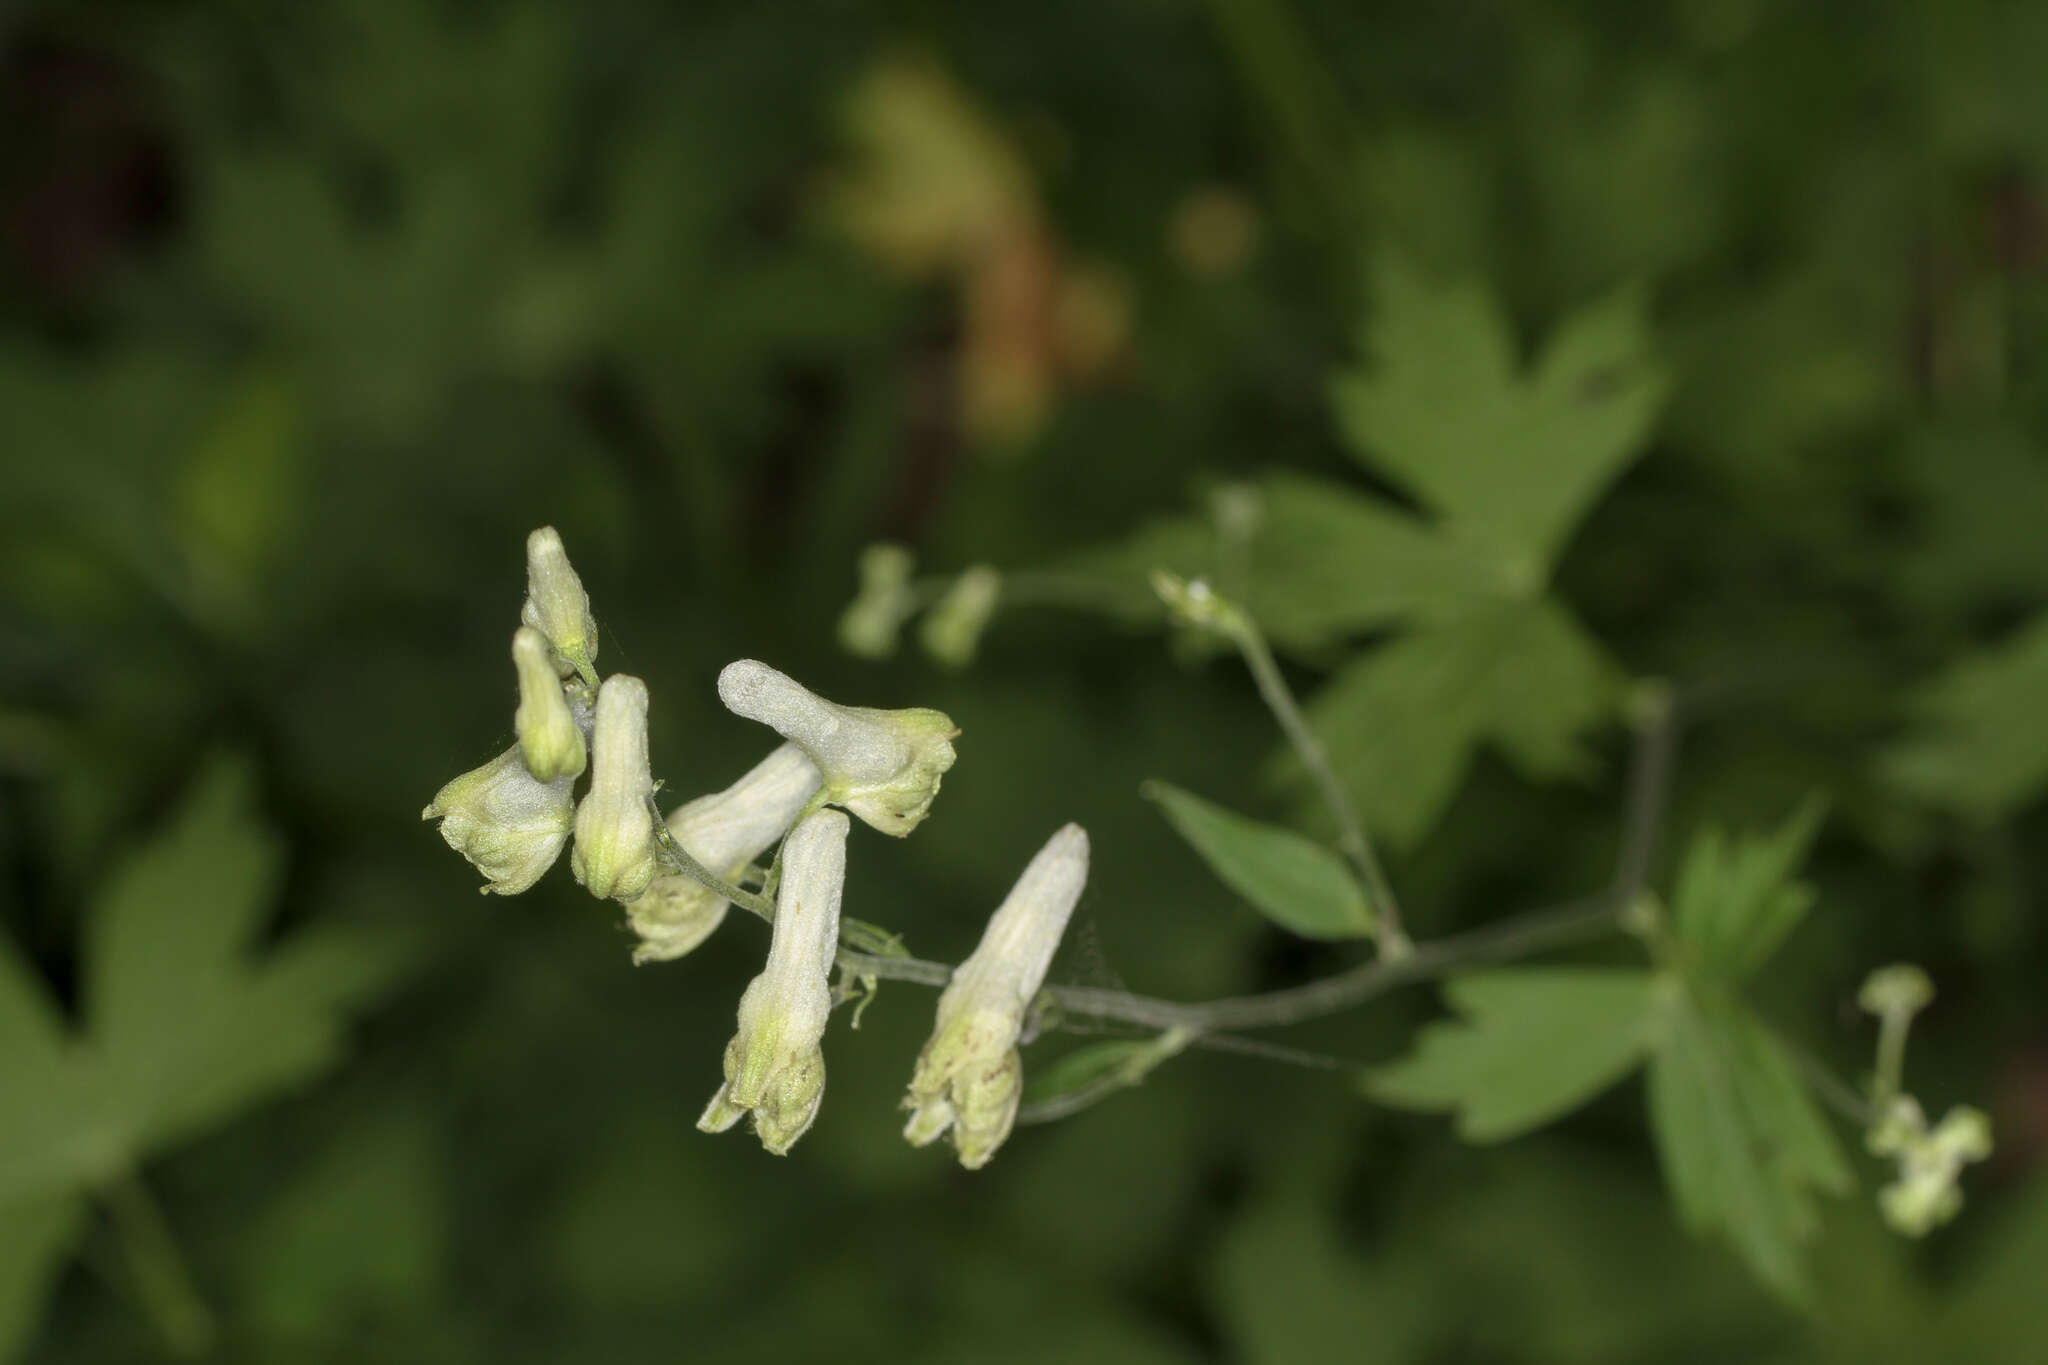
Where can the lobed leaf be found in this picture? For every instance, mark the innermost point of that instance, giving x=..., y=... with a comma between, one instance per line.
x=1531, y=1045
x=1735, y=899
x=1402, y=722
x=1743, y=1149
x=1513, y=460
x=1980, y=742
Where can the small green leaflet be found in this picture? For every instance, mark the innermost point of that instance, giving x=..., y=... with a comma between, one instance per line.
x=1402, y=723
x=1088, y=1073
x=183, y=1028
x=1743, y=1148
x=1735, y=899
x=1531, y=1045
x=1292, y=880
x=1512, y=459
x=1981, y=742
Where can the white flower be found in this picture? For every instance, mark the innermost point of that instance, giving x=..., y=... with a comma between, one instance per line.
x=872, y=621
x=969, y=1076
x=774, y=1066
x=548, y=734
x=614, y=852
x=557, y=606
x=724, y=831
x=507, y=822
x=883, y=766
x=952, y=628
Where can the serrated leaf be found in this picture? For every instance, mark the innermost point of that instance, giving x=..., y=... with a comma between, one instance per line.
x=35, y=1237
x=1328, y=562
x=1980, y=742
x=1743, y=1149
x=1401, y=723
x=1513, y=460
x=1288, y=878
x=1735, y=899
x=1530, y=1045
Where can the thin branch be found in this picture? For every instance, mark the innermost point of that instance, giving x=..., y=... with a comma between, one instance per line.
x=679, y=858
x=1518, y=937
x=1351, y=836
x=1649, y=791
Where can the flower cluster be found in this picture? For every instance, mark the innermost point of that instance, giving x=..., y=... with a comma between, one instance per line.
x=677, y=877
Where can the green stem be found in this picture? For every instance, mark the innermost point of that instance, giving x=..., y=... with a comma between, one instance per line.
x=1518, y=937
x=680, y=859
x=162, y=1280
x=1243, y=632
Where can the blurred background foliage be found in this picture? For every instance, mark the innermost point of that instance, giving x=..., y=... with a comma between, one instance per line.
x=312, y=311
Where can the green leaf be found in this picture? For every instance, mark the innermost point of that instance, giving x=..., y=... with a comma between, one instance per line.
x=1401, y=723
x=1735, y=899
x=1290, y=879
x=1512, y=460
x=1329, y=562
x=1744, y=1150
x=1101, y=1066
x=35, y=1236
x=1532, y=1044
x=185, y=1025
x=1980, y=745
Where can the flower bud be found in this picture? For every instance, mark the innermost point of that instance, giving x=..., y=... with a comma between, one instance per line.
x=883, y=766
x=1927, y=1193
x=1903, y=990
x=548, y=734
x=507, y=822
x=774, y=1067
x=869, y=625
x=969, y=1076
x=614, y=852
x=557, y=606
x=952, y=629
x=724, y=831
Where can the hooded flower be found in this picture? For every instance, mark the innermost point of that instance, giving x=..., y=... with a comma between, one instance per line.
x=969, y=1076
x=548, y=734
x=507, y=822
x=883, y=766
x=724, y=831
x=774, y=1067
x=557, y=606
x=614, y=853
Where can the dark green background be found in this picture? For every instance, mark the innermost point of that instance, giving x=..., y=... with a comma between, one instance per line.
x=312, y=311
